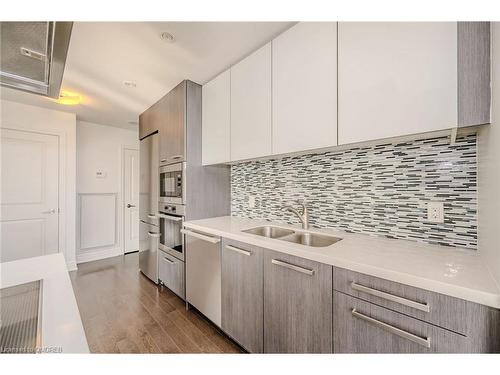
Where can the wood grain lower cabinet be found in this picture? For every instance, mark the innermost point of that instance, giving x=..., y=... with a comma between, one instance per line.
x=242, y=294
x=278, y=303
x=297, y=305
x=171, y=273
x=363, y=327
x=479, y=324
x=438, y=309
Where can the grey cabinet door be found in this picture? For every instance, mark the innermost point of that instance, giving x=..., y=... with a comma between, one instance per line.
x=242, y=294
x=474, y=73
x=149, y=120
x=172, y=131
x=171, y=273
x=297, y=305
x=362, y=327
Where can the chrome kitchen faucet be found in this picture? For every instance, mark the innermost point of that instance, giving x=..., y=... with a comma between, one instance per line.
x=303, y=217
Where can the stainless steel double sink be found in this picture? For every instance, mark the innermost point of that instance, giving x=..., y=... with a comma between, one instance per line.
x=298, y=237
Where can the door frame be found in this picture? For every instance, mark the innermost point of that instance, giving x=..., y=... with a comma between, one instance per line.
x=122, y=191
x=63, y=208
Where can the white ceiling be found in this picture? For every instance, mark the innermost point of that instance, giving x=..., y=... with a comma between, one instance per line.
x=102, y=55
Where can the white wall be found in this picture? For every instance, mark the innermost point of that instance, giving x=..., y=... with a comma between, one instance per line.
x=99, y=203
x=30, y=118
x=489, y=170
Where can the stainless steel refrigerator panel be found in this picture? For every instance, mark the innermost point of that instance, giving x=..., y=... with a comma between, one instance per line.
x=149, y=179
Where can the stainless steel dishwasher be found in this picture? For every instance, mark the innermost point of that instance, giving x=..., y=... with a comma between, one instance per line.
x=203, y=273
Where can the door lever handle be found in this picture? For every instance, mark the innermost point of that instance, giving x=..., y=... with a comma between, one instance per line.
x=130, y=205
x=51, y=211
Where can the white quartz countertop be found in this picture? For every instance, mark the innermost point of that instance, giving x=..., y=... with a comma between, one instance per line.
x=61, y=323
x=458, y=273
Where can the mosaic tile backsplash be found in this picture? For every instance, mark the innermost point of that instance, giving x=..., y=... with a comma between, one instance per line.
x=380, y=190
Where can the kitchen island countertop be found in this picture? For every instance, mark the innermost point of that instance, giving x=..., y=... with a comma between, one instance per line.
x=62, y=329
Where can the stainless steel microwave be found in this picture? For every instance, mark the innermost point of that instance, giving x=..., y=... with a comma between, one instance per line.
x=172, y=183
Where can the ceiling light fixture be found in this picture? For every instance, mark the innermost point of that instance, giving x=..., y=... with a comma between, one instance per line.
x=68, y=98
x=130, y=84
x=167, y=37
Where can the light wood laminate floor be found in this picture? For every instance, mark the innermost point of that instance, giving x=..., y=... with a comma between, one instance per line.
x=123, y=312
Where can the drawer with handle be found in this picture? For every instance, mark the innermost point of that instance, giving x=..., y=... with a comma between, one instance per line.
x=444, y=311
x=171, y=273
x=363, y=327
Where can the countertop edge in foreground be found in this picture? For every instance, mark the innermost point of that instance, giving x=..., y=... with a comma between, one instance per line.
x=61, y=322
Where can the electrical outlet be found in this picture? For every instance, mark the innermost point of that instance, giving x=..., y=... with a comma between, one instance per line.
x=251, y=201
x=435, y=212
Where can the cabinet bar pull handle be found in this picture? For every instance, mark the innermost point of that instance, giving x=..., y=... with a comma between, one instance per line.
x=399, y=332
x=169, y=260
x=390, y=297
x=152, y=216
x=201, y=236
x=170, y=217
x=241, y=251
x=307, y=271
x=163, y=160
x=154, y=235
x=177, y=157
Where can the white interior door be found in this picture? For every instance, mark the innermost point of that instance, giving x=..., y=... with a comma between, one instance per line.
x=29, y=198
x=131, y=200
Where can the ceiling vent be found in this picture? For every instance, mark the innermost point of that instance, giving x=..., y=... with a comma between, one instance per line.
x=33, y=55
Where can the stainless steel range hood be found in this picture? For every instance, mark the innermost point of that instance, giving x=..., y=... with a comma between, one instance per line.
x=33, y=54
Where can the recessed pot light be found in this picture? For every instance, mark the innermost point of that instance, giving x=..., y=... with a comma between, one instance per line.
x=130, y=84
x=167, y=37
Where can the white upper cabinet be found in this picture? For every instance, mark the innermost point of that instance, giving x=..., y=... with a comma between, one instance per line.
x=396, y=79
x=304, y=87
x=392, y=79
x=251, y=106
x=216, y=120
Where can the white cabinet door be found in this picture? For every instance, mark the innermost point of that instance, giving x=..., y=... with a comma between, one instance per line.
x=304, y=70
x=216, y=119
x=396, y=79
x=251, y=106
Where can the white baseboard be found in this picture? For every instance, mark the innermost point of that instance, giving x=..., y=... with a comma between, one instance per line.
x=71, y=266
x=89, y=256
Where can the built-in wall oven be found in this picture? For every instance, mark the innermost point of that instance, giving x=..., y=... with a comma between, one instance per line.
x=172, y=183
x=171, y=220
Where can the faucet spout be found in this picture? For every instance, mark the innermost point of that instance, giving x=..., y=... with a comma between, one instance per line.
x=303, y=217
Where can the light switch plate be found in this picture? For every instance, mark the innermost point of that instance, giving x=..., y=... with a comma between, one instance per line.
x=100, y=174
x=435, y=212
